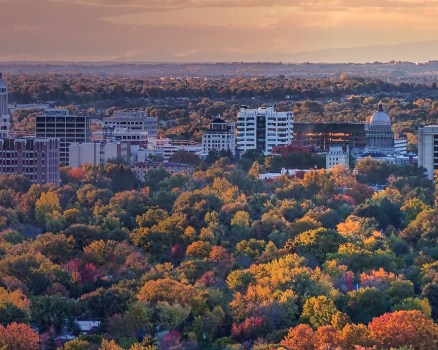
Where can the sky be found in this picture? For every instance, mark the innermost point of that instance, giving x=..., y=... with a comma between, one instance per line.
x=208, y=30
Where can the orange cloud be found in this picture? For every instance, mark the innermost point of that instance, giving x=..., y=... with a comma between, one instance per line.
x=206, y=29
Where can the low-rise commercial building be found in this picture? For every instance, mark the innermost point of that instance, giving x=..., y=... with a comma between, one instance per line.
x=96, y=153
x=400, y=146
x=136, y=122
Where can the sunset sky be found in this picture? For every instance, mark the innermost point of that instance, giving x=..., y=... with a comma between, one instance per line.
x=206, y=30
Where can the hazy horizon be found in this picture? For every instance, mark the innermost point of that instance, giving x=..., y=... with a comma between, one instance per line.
x=217, y=31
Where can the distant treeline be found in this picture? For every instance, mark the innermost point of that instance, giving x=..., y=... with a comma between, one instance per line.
x=68, y=88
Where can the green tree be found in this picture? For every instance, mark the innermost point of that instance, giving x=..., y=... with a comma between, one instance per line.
x=411, y=208
x=414, y=304
x=319, y=311
x=151, y=217
x=430, y=291
x=316, y=243
x=366, y=303
x=48, y=311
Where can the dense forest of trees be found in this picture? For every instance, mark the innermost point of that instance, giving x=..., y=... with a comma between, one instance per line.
x=93, y=88
x=221, y=260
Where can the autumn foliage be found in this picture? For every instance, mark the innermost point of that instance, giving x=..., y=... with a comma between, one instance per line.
x=404, y=328
x=18, y=336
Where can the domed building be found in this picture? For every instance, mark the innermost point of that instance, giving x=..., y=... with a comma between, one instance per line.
x=379, y=134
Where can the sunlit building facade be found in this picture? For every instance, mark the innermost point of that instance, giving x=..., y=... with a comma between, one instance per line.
x=262, y=129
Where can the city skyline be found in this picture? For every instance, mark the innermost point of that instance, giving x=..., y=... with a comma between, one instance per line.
x=232, y=30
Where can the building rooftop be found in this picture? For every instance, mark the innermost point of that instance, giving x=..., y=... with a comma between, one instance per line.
x=373, y=154
x=218, y=121
x=380, y=117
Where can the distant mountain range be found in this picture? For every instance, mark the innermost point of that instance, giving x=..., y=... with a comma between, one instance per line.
x=413, y=52
x=398, y=63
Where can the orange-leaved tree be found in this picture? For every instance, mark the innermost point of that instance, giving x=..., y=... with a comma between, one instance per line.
x=404, y=328
x=300, y=337
x=18, y=336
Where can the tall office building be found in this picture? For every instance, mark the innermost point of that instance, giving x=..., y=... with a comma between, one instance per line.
x=37, y=159
x=58, y=123
x=4, y=113
x=3, y=96
x=219, y=137
x=263, y=128
x=428, y=149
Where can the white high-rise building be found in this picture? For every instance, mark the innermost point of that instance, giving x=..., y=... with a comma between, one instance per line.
x=219, y=137
x=428, y=149
x=4, y=113
x=263, y=128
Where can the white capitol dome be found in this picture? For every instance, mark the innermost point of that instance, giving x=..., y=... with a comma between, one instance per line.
x=380, y=118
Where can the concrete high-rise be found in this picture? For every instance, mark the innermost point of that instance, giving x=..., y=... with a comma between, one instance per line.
x=58, y=123
x=3, y=96
x=263, y=128
x=428, y=149
x=4, y=112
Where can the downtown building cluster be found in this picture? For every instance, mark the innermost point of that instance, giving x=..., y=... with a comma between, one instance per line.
x=65, y=139
x=62, y=138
